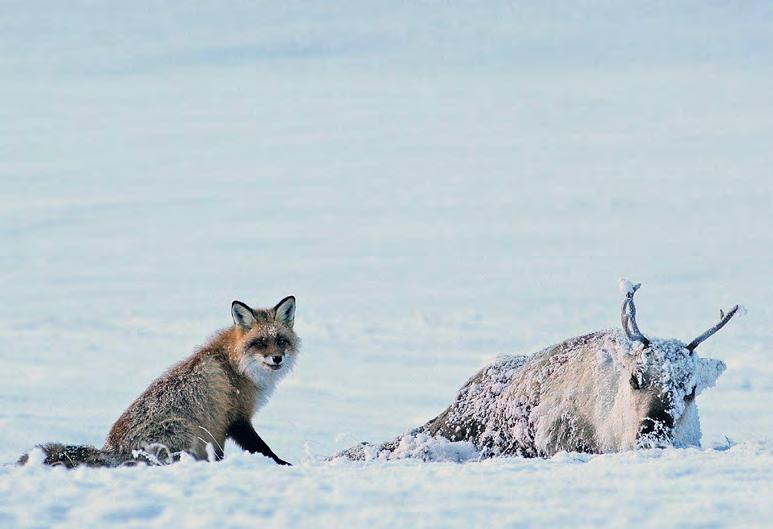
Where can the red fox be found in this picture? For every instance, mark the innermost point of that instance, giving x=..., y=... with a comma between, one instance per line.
x=207, y=398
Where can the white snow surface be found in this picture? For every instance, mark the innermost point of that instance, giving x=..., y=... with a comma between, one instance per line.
x=437, y=183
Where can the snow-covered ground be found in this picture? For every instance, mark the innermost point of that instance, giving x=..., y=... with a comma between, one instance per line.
x=437, y=183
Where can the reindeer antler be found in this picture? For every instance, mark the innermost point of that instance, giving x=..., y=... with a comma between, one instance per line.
x=628, y=314
x=724, y=318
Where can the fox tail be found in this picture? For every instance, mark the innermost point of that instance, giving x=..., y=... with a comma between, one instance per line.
x=71, y=456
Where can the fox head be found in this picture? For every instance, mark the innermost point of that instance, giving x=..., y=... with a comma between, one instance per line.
x=266, y=346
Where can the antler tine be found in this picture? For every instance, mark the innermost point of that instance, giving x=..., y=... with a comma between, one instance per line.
x=624, y=319
x=628, y=317
x=635, y=325
x=724, y=318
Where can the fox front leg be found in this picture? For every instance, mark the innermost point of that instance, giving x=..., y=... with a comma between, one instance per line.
x=242, y=432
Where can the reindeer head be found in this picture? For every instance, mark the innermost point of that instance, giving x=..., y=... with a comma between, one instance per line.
x=665, y=376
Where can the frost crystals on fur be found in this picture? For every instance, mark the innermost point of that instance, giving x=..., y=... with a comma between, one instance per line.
x=603, y=392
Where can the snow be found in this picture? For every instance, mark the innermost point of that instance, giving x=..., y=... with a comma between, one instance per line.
x=657, y=488
x=438, y=184
x=626, y=287
x=415, y=445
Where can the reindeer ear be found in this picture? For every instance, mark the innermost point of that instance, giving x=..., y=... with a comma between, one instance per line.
x=285, y=311
x=709, y=371
x=243, y=315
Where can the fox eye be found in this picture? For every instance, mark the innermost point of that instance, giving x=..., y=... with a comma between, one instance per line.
x=282, y=342
x=634, y=382
x=259, y=343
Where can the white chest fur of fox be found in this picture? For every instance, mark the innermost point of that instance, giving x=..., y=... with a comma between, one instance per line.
x=202, y=401
x=603, y=392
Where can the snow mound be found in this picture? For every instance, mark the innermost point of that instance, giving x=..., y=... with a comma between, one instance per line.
x=414, y=445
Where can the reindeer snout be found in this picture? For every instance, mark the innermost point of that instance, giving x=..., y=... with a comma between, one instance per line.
x=656, y=428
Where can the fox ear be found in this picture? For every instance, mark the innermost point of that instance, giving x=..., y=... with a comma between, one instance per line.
x=285, y=311
x=243, y=316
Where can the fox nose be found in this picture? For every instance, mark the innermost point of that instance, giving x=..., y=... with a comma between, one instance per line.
x=277, y=359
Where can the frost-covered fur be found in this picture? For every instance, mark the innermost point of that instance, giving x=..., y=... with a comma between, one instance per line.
x=205, y=399
x=596, y=393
